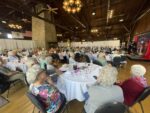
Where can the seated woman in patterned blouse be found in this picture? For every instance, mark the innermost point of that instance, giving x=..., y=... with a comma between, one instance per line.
x=44, y=89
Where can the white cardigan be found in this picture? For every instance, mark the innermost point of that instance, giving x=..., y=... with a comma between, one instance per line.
x=99, y=95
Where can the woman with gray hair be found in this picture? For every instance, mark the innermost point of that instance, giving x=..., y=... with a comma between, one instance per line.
x=33, y=67
x=104, y=91
x=49, y=61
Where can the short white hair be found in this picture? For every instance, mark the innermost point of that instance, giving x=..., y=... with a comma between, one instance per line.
x=30, y=62
x=108, y=76
x=32, y=73
x=138, y=70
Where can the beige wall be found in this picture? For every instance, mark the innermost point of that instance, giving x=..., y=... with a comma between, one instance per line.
x=43, y=32
x=50, y=32
x=38, y=32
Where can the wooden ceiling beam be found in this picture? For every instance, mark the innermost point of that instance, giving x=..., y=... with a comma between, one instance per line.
x=97, y=5
x=141, y=8
x=111, y=24
x=142, y=15
x=78, y=21
x=29, y=13
x=125, y=27
x=104, y=19
x=13, y=11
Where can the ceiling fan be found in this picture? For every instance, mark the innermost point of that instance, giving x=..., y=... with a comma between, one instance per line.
x=25, y=20
x=50, y=9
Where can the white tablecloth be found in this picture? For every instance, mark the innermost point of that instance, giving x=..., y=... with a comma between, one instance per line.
x=75, y=84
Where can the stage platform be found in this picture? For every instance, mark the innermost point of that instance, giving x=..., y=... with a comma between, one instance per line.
x=137, y=58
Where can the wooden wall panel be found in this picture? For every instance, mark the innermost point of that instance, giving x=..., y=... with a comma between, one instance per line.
x=143, y=25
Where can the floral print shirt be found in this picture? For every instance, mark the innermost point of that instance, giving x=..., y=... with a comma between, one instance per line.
x=48, y=95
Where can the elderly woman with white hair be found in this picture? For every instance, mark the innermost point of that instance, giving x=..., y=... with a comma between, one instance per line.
x=49, y=61
x=135, y=85
x=49, y=66
x=104, y=91
x=33, y=67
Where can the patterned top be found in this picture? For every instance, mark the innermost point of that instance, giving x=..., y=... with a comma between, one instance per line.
x=48, y=95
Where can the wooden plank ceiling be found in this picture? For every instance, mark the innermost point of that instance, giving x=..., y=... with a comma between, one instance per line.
x=78, y=26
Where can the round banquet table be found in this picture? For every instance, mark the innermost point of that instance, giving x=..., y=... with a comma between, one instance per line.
x=74, y=83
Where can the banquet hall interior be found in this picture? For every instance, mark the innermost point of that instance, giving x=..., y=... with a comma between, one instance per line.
x=74, y=56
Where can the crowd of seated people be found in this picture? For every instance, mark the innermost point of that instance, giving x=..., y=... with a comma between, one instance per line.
x=107, y=87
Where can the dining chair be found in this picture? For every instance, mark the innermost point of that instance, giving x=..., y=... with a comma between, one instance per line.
x=36, y=102
x=142, y=97
x=113, y=107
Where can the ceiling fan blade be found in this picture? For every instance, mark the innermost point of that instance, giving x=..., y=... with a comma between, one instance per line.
x=48, y=6
x=44, y=9
x=55, y=8
x=54, y=11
